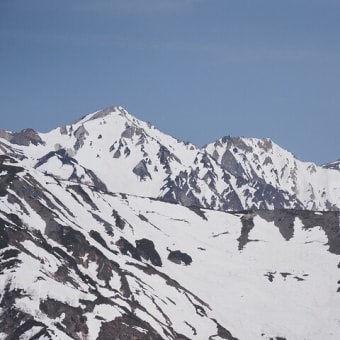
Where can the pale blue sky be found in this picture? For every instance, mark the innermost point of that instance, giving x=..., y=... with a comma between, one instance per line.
x=197, y=69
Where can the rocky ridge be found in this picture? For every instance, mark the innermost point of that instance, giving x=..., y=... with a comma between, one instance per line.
x=113, y=149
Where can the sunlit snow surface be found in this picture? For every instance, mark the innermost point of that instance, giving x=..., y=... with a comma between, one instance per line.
x=232, y=286
x=82, y=260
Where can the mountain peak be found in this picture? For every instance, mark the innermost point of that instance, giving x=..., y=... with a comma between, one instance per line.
x=111, y=110
x=128, y=155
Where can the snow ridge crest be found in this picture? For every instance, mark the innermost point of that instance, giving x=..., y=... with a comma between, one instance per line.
x=130, y=156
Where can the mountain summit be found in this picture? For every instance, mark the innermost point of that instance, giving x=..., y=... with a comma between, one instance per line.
x=110, y=229
x=115, y=151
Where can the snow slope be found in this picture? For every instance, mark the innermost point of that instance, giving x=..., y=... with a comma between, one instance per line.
x=83, y=263
x=110, y=229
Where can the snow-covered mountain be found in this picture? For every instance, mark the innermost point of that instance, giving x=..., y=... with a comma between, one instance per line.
x=261, y=161
x=110, y=229
x=113, y=149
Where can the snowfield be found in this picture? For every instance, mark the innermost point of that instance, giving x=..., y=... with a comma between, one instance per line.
x=110, y=229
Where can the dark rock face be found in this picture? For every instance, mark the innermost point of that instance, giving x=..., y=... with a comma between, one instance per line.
x=97, y=183
x=128, y=327
x=283, y=219
x=120, y=223
x=327, y=220
x=63, y=130
x=230, y=164
x=178, y=257
x=126, y=248
x=73, y=322
x=144, y=249
x=147, y=251
x=141, y=171
x=223, y=333
x=96, y=236
x=165, y=157
x=131, y=131
x=231, y=202
x=24, y=137
x=80, y=134
x=182, y=190
x=83, y=195
x=105, y=112
x=247, y=225
x=269, y=197
x=7, y=175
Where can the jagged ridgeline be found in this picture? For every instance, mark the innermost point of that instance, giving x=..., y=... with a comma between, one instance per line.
x=110, y=229
x=113, y=150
